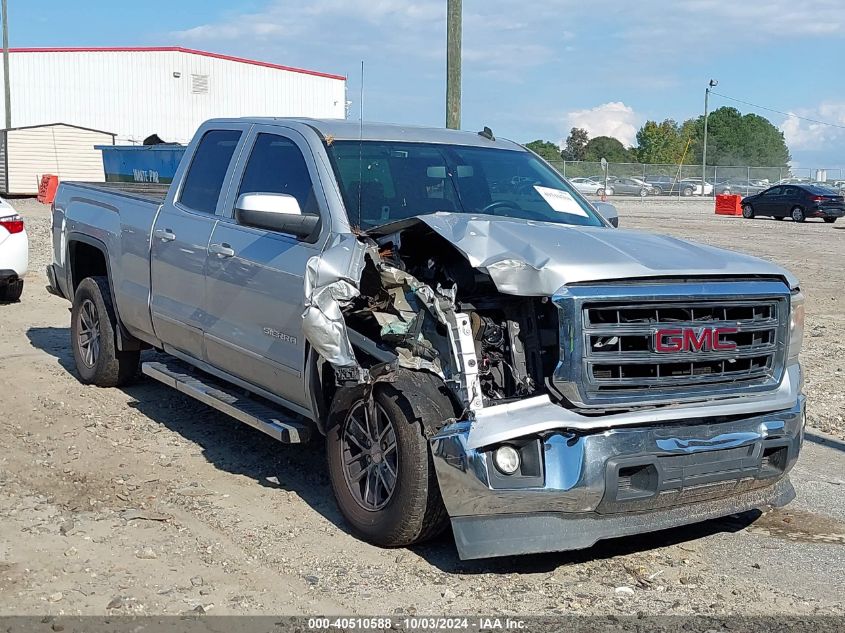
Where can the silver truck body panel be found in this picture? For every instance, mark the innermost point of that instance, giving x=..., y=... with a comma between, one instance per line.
x=260, y=310
x=524, y=257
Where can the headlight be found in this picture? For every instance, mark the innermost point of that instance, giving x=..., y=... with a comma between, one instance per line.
x=796, y=326
x=507, y=459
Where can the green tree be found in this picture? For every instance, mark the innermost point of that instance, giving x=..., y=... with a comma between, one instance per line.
x=606, y=147
x=576, y=144
x=737, y=139
x=548, y=150
x=660, y=143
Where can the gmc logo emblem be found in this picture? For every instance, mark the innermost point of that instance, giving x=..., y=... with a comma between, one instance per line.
x=691, y=339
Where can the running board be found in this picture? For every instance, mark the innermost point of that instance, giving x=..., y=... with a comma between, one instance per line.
x=223, y=397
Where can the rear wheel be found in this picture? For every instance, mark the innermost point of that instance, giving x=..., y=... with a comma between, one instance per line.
x=830, y=220
x=379, y=461
x=798, y=214
x=658, y=191
x=11, y=291
x=747, y=211
x=92, y=330
x=688, y=191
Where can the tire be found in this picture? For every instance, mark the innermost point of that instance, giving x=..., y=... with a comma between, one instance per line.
x=688, y=191
x=797, y=214
x=829, y=220
x=658, y=191
x=600, y=191
x=412, y=511
x=643, y=193
x=747, y=211
x=98, y=362
x=12, y=291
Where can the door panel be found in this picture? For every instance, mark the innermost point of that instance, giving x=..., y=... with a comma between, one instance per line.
x=179, y=251
x=254, y=298
x=255, y=305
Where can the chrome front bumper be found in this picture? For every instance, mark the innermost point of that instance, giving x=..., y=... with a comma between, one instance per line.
x=593, y=485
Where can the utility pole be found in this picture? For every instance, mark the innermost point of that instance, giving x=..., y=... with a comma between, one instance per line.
x=6, y=89
x=713, y=83
x=453, y=64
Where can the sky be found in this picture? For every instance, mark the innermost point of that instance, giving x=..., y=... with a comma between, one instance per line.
x=532, y=69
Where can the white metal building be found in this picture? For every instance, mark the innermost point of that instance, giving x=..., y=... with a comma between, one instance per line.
x=66, y=151
x=169, y=91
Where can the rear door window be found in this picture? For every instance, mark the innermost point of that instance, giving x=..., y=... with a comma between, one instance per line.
x=209, y=165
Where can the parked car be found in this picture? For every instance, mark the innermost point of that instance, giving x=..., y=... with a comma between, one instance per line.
x=506, y=361
x=740, y=187
x=798, y=202
x=14, y=252
x=630, y=186
x=667, y=185
x=708, y=187
x=590, y=187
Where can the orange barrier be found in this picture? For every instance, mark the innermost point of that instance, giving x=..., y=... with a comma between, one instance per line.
x=47, y=188
x=728, y=205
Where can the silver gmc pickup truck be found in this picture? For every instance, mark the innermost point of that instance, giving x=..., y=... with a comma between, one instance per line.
x=477, y=343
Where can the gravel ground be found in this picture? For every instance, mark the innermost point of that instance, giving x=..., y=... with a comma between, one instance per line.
x=142, y=501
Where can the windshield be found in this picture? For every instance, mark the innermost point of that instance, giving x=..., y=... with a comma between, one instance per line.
x=383, y=182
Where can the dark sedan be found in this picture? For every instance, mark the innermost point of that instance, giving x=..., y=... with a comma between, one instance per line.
x=798, y=202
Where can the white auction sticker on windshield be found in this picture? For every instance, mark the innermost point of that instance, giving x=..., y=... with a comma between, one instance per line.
x=561, y=201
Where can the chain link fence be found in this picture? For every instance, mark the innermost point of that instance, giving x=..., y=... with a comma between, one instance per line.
x=685, y=180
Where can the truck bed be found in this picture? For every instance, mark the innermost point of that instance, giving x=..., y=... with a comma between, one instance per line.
x=152, y=192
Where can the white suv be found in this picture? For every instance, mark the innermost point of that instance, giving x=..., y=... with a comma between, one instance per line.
x=14, y=253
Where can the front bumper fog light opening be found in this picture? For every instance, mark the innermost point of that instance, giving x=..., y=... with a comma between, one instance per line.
x=506, y=459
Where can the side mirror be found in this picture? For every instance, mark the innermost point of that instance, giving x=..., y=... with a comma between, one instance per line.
x=608, y=212
x=275, y=212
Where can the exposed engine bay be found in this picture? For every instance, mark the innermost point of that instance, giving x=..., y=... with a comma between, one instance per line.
x=419, y=298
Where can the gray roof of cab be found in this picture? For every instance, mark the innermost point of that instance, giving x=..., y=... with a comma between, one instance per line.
x=347, y=130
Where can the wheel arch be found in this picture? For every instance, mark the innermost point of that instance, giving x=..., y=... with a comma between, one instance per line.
x=87, y=256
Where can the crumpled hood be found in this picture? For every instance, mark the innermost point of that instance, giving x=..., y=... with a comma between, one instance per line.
x=524, y=257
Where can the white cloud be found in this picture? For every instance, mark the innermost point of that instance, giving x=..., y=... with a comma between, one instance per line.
x=801, y=134
x=609, y=119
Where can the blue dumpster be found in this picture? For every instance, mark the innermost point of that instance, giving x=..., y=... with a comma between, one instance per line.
x=141, y=163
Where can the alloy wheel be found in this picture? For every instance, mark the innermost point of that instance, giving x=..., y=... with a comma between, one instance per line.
x=370, y=455
x=88, y=333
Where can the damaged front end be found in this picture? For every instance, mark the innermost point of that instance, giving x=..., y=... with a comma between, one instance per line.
x=567, y=429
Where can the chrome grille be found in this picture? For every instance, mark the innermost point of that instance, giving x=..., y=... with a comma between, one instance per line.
x=609, y=352
x=619, y=344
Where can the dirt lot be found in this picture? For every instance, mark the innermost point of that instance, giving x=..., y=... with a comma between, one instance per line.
x=141, y=501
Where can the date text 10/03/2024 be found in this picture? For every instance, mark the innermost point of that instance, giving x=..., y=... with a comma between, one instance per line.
x=417, y=623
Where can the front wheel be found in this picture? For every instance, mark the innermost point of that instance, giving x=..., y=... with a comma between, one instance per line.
x=830, y=220
x=379, y=461
x=688, y=191
x=747, y=212
x=798, y=214
x=92, y=331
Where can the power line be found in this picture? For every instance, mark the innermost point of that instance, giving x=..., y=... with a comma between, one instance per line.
x=787, y=114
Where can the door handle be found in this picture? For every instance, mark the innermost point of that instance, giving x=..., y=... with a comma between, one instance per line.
x=221, y=250
x=165, y=235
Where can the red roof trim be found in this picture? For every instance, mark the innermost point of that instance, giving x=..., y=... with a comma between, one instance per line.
x=176, y=49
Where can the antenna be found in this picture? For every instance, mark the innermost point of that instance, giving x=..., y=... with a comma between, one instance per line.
x=361, y=145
